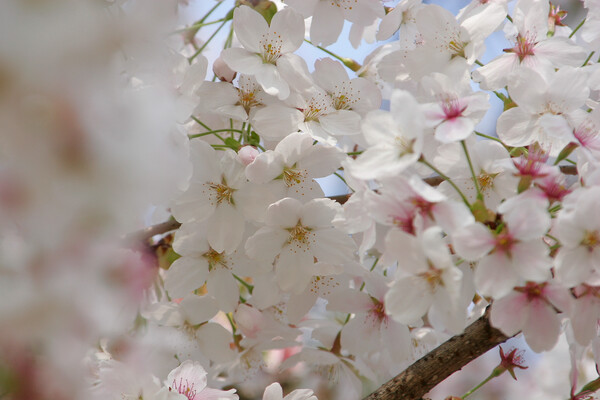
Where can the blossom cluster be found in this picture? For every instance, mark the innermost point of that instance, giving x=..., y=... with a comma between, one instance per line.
x=263, y=272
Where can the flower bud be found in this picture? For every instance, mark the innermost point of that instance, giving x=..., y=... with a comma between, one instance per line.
x=247, y=154
x=222, y=71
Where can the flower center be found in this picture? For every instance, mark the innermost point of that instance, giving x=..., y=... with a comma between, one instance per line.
x=248, y=100
x=485, y=181
x=184, y=388
x=591, y=239
x=452, y=108
x=523, y=47
x=271, y=45
x=404, y=145
x=299, y=234
x=220, y=192
x=505, y=242
x=433, y=277
x=533, y=291
x=292, y=177
x=377, y=312
x=215, y=259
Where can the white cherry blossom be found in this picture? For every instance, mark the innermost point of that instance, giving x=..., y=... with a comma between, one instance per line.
x=511, y=256
x=265, y=47
x=297, y=238
x=328, y=16
x=395, y=139
x=189, y=380
x=532, y=47
x=545, y=100
x=290, y=169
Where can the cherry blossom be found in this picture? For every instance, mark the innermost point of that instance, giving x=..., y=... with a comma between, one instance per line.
x=295, y=236
x=427, y=282
x=543, y=118
x=328, y=16
x=395, y=139
x=510, y=256
x=291, y=167
x=265, y=47
x=578, y=230
x=112, y=124
x=532, y=47
x=531, y=308
x=189, y=380
x=456, y=110
x=274, y=392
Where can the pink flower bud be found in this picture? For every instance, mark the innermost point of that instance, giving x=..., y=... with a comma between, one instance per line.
x=247, y=154
x=222, y=71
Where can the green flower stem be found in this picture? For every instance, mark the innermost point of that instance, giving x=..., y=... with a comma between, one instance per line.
x=230, y=319
x=214, y=133
x=201, y=123
x=199, y=25
x=362, y=287
x=207, y=42
x=229, y=40
x=341, y=177
x=588, y=59
x=243, y=282
x=447, y=179
x=354, y=153
x=577, y=28
x=488, y=136
x=210, y=11
x=371, y=270
x=351, y=64
x=494, y=374
x=475, y=181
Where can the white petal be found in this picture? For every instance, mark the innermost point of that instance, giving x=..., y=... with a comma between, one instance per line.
x=214, y=341
x=241, y=60
x=226, y=228
x=494, y=276
x=265, y=244
x=294, y=269
x=288, y=25
x=516, y=128
x=304, y=7
x=249, y=27
x=408, y=300
x=341, y=122
x=327, y=24
x=273, y=392
x=276, y=121
x=199, y=309
x=454, y=130
x=493, y=75
x=185, y=275
x=510, y=313
x=542, y=327
x=223, y=287
x=270, y=79
x=473, y=241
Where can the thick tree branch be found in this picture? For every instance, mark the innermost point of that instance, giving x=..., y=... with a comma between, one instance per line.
x=440, y=363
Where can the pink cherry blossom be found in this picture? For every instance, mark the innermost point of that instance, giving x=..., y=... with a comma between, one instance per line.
x=533, y=309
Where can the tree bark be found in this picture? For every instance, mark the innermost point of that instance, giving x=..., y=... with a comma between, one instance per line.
x=440, y=363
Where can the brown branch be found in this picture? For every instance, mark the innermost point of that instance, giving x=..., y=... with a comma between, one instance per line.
x=568, y=169
x=440, y=363
x=142, y=236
